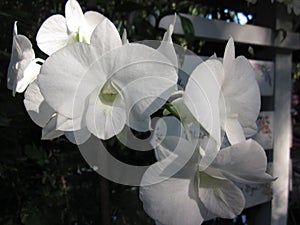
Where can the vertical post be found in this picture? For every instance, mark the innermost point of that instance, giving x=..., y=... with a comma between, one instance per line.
x=283, y=85
x=105, y=210
x=283, y=65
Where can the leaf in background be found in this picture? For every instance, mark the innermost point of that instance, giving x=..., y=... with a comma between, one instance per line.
x=187, y=25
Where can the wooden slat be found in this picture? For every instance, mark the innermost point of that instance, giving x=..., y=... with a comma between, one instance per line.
x=282, y=134
x=249, y=34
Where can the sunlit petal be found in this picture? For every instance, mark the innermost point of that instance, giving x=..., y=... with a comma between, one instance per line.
x=172, y=202
x=30, y=74
x=105, y=36
x=133, y=76
x=202, y=96
x=53, y=34
x=104, y=120
x=221, y=197
x=21, y=56
x=166, y=47
x=234, y=131
x=228, y=60
x=60, y=76
x=91, y=20
x=245, y=162
x=124, y=38
x=241, y=93
x=74, y=15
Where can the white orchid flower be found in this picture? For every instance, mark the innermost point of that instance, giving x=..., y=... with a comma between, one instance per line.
x=58, y=31
x=54, y=124
x=53, y=121
x=241, y=94
x=23, y=67
x=98, y=85
x=224, y=96
x=192, y=196
x=122, y=87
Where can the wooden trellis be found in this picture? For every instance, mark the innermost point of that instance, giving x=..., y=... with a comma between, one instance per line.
x=270, y=208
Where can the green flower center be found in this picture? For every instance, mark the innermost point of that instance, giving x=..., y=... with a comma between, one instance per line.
x=79, y=37
x=108, y=93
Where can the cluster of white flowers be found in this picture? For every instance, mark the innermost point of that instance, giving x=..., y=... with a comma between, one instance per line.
x=95, y=83
x=222, y=96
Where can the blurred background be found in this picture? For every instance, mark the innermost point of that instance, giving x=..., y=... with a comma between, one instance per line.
x=48, y=182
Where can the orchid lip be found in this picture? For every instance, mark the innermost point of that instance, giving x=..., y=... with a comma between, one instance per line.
x=108, y=93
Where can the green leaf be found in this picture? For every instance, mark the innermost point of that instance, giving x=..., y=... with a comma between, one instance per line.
x=187, y=25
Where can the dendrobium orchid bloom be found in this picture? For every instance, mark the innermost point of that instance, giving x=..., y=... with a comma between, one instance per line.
x=241, y=94
x=55, y=124
x=104, y=85
x=202, y=195
x=58, y=31
x=23, y=67
x=224, y=96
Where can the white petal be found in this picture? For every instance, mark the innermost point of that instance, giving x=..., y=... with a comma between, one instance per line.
x=168, y=141
x=166, y=127
x=105, y=121
x=166, y=47
x=39, y=110
x=106, y=36
x=250, y=130
x=23, y=47
x=208, y=149
x=53, y=34
x=229, y=56
x=242, y=93
x=22, y=54
x=12, y=74
x=49, y=132
x=124, y=38
x=15, y=29
x=30, y=74
x=68, y=124
x=74, y=15
x=234, y=131
x=91, y=20
x=245, y=162
x=184, y=113
x=145, y=80
x=61, y=79
x=202, y=96
x=220, y=197
x=142, y=99
x=78, y=137
x=172, y=202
